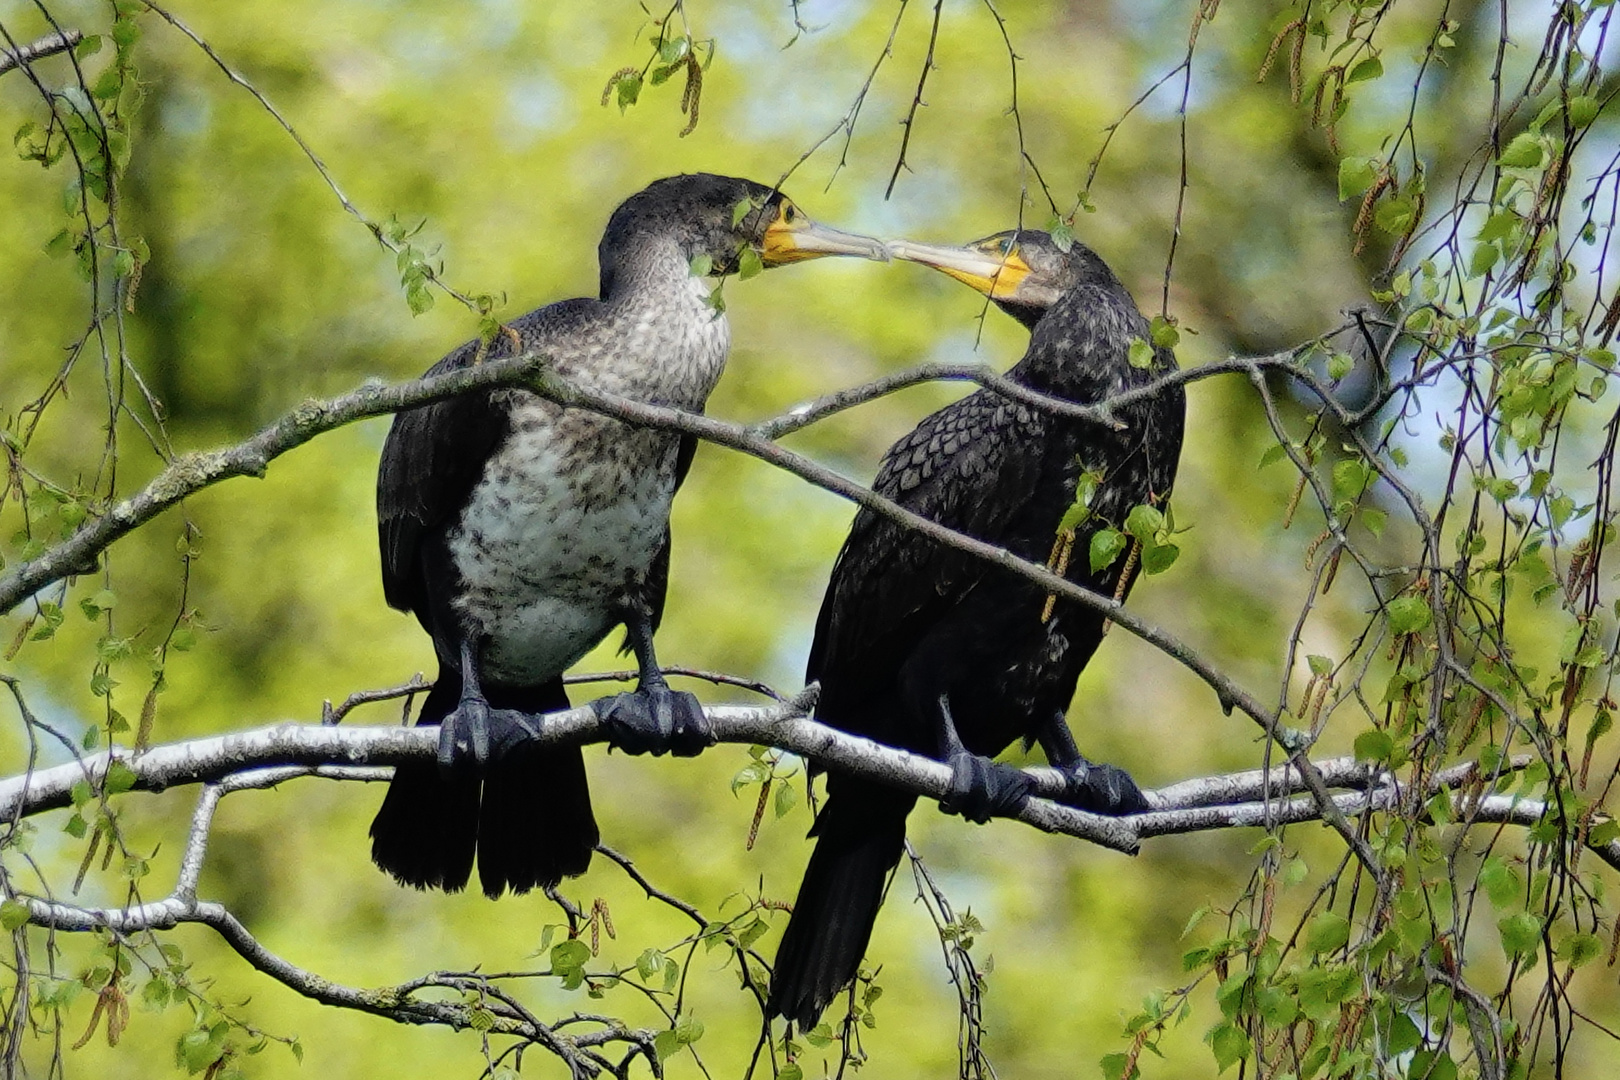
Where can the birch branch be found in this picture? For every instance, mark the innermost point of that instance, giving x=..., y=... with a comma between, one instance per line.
x=49, y=45
x=269, y=755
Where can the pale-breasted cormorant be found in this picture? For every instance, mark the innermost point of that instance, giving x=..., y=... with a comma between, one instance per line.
x=520, y=533
x=937, y=651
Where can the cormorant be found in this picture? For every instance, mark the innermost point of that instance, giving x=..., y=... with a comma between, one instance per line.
x=520, y=533
x=937, y=651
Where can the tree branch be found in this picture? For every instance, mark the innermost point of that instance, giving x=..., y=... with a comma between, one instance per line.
x=193, y=472
x=265, y=756
x=49, y=45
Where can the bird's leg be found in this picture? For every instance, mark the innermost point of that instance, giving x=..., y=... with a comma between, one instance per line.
x=464, y=734
x=473, y=729
x=980, y=788
x=1101, y=789
x=653, y=719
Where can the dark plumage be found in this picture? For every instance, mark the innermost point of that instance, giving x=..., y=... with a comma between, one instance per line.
x=934, y=650
x=520, y=533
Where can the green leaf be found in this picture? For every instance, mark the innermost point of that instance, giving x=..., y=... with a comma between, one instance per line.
x=628, y=88
x=787, y=796
x=1403, y=1036
x=1329, y=931
x=673, y=49
x=89, y=46
x=1521, y=934
x=1140, y=354
x=1501, y=883
x=1355, y=176
x=418, y=297
x=749, y=264
x=1159, y=558
x=1062, y=234
x=1432, y=1065
x=1524, y=152
x=199, y=1049
x=1374, y=746
x=1579, y=949
x=1106, y=546
x=60, y=245
x=1370, y=68
x=742, y=210
x=689, y=1030
x=1339, y=365
x=754, y=772
x=650, y=963
x=13, y=914
x=1350, y=478
x=107, y=84
x=1230, y=1045
x=1113, y=1067
x=1396, y=215
x=1144, y=523
x=1409, y=615
x=665, y=1043
x=1582, y=111
x=790, y=1071
x=120, y=778
x=1320, y=665
x=1164, y=333
x=569, y=956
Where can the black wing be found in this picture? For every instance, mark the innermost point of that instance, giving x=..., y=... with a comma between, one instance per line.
x=658, y=574
x=970, y=467
x=435, y=455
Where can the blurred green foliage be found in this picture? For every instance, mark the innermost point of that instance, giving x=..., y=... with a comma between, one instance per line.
x=478, y=128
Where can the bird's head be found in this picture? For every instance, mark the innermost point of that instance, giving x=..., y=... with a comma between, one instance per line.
x=724, y=223
x=1023, y=270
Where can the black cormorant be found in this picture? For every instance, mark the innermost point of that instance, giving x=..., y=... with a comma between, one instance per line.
x=940, y=652
x=520, y=533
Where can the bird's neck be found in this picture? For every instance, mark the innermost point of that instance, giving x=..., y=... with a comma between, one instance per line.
x=1080, y=349
x=669, y=342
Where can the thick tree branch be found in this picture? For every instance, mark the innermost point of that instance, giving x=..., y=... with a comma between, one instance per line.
x=191, y=473
x=269, y=755
x=49, y=45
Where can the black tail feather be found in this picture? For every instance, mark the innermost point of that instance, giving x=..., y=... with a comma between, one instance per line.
x=535, y=826
x=862, y=832
x=428, y=824
x=532, y=827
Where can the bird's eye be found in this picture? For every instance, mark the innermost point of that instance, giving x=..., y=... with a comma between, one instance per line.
x=1005, y=246
x=789, y=213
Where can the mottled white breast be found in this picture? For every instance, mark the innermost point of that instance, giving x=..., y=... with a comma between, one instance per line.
x=573, y=506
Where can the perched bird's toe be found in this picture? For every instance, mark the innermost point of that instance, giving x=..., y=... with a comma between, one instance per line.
x=982, y=789
x=1103, y=789
x=655, y=720
x=464, y=736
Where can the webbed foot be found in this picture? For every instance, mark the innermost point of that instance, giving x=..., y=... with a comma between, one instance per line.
x=1102, y=789
x=475, y=734
x=982, y=789
x=655, y=720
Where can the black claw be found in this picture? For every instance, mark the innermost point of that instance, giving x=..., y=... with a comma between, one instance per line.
x=655, y=720
x=464, y=736
x=474, y=735
x=982, y=789
x=1103, y=789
